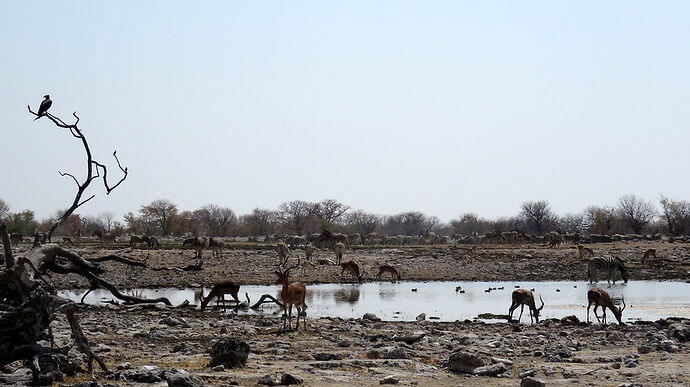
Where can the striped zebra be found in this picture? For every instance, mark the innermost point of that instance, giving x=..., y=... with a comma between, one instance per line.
x=607, y=264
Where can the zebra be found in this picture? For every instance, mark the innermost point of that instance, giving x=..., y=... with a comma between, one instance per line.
x=607, y=264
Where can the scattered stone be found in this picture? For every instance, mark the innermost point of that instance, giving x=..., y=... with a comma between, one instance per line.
x=644, y=348
x=218, y=368
x=526, y=374
x=178, y=347
x=570, y=320
x=532, y=382
x=374, y=354
x=679, y=331
x=410, y=339
x=230, y=352
x=615, y=336
x=371, y=317
x=146, y=374
x=500, y=360
x=288, y=379
x=463, y=361
x=124, y=366
x=395, y=353
x=491, y=370
x=421, y=317
x=390, y=379
x=669, y=346
x=323, y=356
x=181, y=378
x=270, y=380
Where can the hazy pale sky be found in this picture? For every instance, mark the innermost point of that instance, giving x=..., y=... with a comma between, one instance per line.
x=441, y=107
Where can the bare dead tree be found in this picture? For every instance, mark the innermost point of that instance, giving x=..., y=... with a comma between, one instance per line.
x=29, y=302
x=93, y=170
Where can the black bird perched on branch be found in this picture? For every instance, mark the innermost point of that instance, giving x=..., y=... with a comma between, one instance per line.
x=45, y=105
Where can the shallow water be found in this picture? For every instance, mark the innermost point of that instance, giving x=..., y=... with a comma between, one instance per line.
x=646, y=300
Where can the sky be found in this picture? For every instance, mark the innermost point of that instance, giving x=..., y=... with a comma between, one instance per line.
x=388, y=106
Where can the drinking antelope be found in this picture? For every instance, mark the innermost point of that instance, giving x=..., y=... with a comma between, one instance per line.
x=522, y=297
x=219, y=290
x=291, y=294
x=388, y=269
x=353, y=268
x=649, y=253
x=599, y=297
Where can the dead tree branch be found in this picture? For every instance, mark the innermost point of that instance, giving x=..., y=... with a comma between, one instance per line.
x=93, y=169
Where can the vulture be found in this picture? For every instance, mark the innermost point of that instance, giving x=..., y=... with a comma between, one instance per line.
x=45, y=105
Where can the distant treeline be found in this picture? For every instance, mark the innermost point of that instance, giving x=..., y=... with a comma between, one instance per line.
x=631, y=214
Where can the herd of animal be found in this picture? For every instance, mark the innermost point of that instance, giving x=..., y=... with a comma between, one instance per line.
x=294, y=293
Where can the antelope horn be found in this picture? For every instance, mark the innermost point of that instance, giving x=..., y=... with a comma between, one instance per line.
x=293, y=266
x=623, y=308
x=542, y=304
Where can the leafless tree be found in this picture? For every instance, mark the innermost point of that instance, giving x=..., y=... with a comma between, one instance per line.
x=108, y=220
x=537, y=215
x=363, y=222
x=295, y=214
x=572, y=223
x=470, y=223
x=599, y=220
x=410, y=223
x=330, y=211
x=635, y=212
x=161, y=212
x=217, y=220
x=675, y=214
x=4, y=209
x=259, y=222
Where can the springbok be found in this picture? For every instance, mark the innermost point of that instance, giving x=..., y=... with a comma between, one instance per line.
x=353, y=268
x=388, y=269
x=291, y=294
x=339, y=250
x=522, y=297
x=216, y=245
x=197, y=243
x=283, y=252
x=599, y=297
x=104, y=237
x=649, y=253
x=585, y=251
x=219, y=290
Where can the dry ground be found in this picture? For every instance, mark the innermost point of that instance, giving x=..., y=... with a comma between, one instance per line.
x=559, y=354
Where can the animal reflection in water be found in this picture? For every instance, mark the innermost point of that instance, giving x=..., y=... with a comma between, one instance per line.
x=350, y=295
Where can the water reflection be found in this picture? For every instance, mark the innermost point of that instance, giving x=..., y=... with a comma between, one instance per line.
x=349, y=294
x=647, y=300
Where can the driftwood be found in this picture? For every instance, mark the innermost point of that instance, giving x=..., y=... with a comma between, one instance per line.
x=265, y=299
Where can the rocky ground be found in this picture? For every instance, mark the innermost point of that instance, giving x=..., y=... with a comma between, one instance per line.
x=144, y=343
x=433, y=263
x=149, y=343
